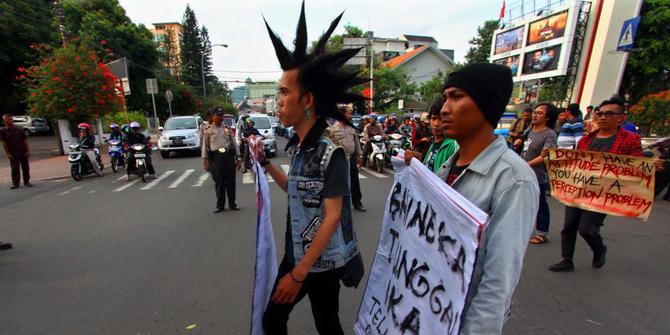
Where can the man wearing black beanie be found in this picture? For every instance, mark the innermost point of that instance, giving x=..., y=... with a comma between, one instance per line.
x=496, y=180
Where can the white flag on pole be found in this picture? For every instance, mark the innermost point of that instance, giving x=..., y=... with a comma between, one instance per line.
x=265, y=269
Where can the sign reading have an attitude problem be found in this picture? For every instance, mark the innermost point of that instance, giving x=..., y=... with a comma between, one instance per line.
x=602, y=182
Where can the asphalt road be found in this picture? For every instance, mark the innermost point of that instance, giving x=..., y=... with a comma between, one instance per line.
x=103, y=256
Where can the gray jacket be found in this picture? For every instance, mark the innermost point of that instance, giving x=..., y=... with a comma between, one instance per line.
x=501, y=184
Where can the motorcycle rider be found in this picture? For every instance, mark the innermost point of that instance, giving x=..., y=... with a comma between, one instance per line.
x=371, y=129
x=116, y=133
x=136, y=137
x=249, y=130
x=87, y=145
x=406, y=127
x=421, y=135
x=392, y=127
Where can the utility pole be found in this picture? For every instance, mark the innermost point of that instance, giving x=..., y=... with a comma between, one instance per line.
x=372, y=70
x=60, y=20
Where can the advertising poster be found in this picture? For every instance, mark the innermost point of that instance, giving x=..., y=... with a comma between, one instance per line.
x=547, y=29
x=541, y=60
x=509, y=40
x=511, y=62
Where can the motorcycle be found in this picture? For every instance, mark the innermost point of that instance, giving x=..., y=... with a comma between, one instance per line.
x=116, y=155
x=378, y=155
x=137, y=153
x=395, y=143
x=80, y=165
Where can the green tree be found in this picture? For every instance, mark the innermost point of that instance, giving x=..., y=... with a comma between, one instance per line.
x=102, y=25
x=480, y=45
x=335, y=41
x=24, y=24
x=191, y=50
x=433, y=88
x=71, y=83
x=206, y=51
x=648, y=70
x=391, y=85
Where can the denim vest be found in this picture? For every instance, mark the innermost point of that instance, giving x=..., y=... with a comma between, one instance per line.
x=306, y=180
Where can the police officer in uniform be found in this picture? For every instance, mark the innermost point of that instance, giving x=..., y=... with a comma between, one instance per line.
x=221, y=155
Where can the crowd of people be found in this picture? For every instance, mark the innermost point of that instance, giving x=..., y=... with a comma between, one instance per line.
x=455, y=140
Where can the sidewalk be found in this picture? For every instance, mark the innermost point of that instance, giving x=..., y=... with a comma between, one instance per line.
x=47, y=169
x=56, y=167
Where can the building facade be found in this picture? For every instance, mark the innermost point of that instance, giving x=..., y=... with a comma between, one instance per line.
x=164, y=32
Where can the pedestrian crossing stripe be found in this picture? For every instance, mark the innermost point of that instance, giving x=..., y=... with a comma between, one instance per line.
x=247, y=178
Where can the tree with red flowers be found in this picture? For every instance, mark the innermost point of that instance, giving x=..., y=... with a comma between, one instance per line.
x=71, y=83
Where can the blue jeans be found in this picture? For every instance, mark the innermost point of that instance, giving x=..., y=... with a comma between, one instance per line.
x=543, y=215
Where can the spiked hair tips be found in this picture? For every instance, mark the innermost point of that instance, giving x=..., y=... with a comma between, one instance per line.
x=319, y=72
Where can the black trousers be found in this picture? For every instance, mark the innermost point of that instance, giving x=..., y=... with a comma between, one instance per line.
x=356, y=195
x=222, y=168
x=588, y=225
x=323, y=289
x=18, y=165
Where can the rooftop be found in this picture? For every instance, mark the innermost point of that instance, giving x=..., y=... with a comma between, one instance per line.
x=418, y=38
x=393, y=62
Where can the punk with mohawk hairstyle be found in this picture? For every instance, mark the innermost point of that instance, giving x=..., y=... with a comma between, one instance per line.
x=320, y=247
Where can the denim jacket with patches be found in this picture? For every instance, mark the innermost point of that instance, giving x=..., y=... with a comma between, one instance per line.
x=306, y=179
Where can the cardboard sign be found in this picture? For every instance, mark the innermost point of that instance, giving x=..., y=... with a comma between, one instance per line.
x=602, y=182
x=425, y=258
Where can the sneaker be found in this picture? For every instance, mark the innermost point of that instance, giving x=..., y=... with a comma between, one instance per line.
x=565, y=265
x=29, y=184
x=359, y=207
x=599, y=258
x=14, y=187
x=5, y=246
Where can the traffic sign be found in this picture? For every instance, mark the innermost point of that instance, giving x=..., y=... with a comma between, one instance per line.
x=627, y=36
x=168, y=95
x=152, y=86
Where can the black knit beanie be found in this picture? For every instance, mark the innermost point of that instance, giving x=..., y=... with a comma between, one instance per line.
x=489, y=85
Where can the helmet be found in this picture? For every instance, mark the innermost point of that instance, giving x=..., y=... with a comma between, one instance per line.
x=373, y=116
x=113, y=125
x=393, y=117
x=84, y=125
x=424, y=117
x=134, y=124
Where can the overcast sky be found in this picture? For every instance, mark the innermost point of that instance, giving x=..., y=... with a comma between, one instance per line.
x=250, y=54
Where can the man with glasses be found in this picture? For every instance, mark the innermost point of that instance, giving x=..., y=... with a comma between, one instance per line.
x=609, y=137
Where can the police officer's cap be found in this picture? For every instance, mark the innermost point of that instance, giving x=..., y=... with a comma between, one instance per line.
x=219, y=111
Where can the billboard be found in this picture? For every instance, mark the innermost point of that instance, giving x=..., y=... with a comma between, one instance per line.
x=547, y=29
x=541, y=60
x=539, y=46
x=511, y=62
x=509, y=40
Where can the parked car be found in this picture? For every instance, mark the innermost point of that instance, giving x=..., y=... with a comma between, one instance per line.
x=180, y=133
x=32, y=125
x=276, y=125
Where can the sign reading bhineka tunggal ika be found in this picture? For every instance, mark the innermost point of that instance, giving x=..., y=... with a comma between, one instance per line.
x=424, y=261
x=602, y=182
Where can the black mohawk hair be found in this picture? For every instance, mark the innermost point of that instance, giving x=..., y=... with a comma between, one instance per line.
x=320, y=73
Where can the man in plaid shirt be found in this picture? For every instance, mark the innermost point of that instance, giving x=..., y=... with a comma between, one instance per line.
x=610, y=137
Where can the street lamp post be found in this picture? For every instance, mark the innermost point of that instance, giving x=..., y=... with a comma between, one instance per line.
x=202, y=68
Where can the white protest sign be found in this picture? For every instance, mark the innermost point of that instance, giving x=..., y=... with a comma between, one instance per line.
x=265, y=269
x=425, y=258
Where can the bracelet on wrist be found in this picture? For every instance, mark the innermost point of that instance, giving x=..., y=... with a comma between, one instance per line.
x=295, y=279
